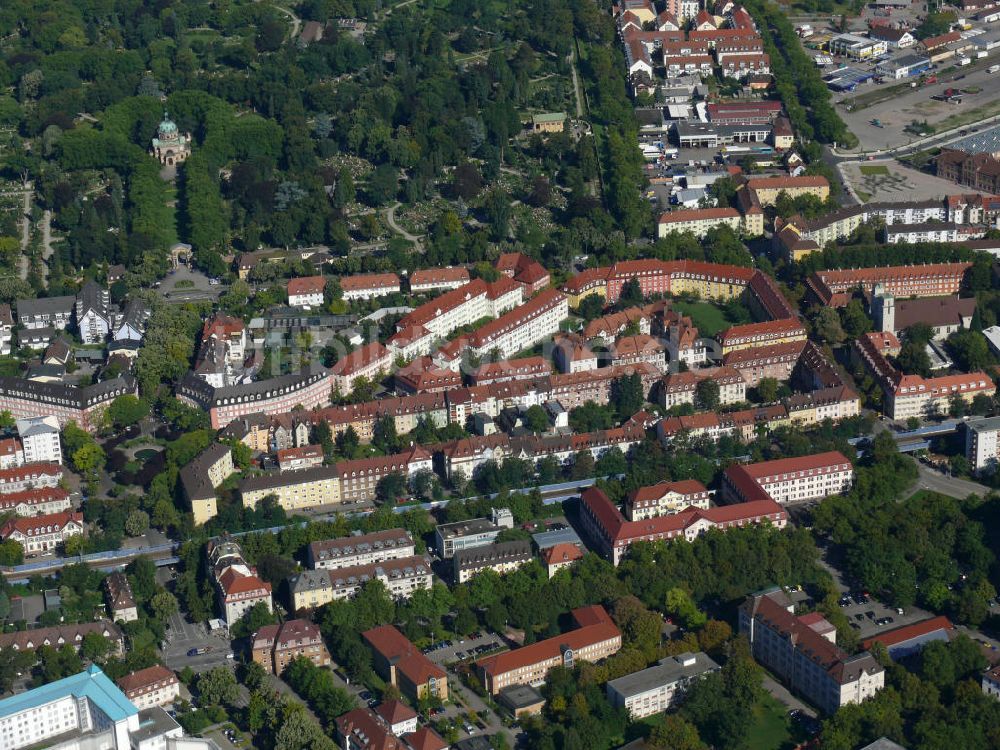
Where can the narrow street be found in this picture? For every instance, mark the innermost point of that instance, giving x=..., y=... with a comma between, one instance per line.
x=25, y=263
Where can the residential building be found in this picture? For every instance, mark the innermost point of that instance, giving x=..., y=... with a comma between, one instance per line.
x=787, y=480
x=665, y=498
x=11, y=453
x=835, y=287
x=294, y=491
x=60, y=635
x=548, y=122
x=698, y=221
x=30, y=477
x=120, y=599
x=659, y=688
x=571, y=354
x=432, y=279
x=906, y=641
x=42, y=533
x=94, y=316
x=400, y=718
x=893, y=37
x=681, y=387
x=361, y=549
x=946, y=232
x=359, y=478
x=274, y=647
x=560, y=556
x=631, y=350
x=450, y=538
x=154, y=686
x=802, y=651
x=202, y=476
x=991, y=681
x=501, y=557
x=527, y=272
x=303, y=457
x=535, y=321
x=6, y=329
x=400, y=663
x=506, y=370
x=131, y=325
x=81, y=404
x=596, y=637
x=615, y=534
x=768, y=333
x=308, y=388
x=369, y=286
x=306, y=292
x=34, y=502
x=371, y=361
x=400, y=576
x=40, y=440
x=775, y=361
x=46, y=312
x=982, y=445
x=238, y=586
x=464, y=306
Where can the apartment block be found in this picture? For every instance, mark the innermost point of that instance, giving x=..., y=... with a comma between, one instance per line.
x=768, y=333
x=400, y=576
x=307, y=292
x=431, y=279
x=42, y=501
x=370, y=361
x=295, y=490
x=802, y=651
x=359, y=478
x=982, y=443
x=369, y=286
x=835, y=287
x=500, y=557
x=596, y=637
x=274, y=647
x=45, y=533
x=201, y=477
x=40, y=440
x=85, y=405
x=154, y=686
x=698, y=221
x=789, y=480
x=463, y=306
x=239, y=589
x=120, y=599
x=360, y=549
x=297, y=459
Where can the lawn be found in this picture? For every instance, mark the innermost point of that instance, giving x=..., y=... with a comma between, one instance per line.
x=772, y=728
x=709, y=318
x=873, y=169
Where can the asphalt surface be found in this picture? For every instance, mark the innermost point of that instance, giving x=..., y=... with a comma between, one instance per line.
x=929, y=479
x=182, y=636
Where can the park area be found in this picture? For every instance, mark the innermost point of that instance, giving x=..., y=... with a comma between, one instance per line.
x=707, y=317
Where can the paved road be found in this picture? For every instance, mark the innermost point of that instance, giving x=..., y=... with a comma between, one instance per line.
x=296, y=21
x=576, y=85
x=474, y=702
x=46, y=244
x=25, y=264
x=183, y=635
x=390, y=219
x=947, y=485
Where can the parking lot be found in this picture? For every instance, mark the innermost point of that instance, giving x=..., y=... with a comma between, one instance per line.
x=451, y=651
x=182, y=637
x=869, y=617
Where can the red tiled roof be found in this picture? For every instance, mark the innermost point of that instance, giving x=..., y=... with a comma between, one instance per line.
x=233, y=582
x=425, y=738
x=35, y=496
x=29, y=471
x=307, y=285
x=698, y=214
x=561, y=553
x=383, y=464
x=595, y=628
x=907, y=632
x=368, y=281
x=783, y=326
x=395, y=712
x=35, y=525
x=799, y=463
x=144, y=678
x=394, y=647
x=448, y=275
x=365, y=729
x=789, y=182
x=360, y=359
x=303, y=451
x=656, y=491
x=516, y=317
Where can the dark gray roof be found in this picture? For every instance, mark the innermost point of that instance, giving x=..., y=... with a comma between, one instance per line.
x=67, y=395
x=194, y=476
x=198, y=390
x=46, y=305
x=287, y=478
x=493, y=554
x=667, y=672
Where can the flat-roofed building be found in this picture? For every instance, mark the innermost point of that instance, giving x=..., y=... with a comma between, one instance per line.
x=659, y=688
x=982, y=443
x=476, y=532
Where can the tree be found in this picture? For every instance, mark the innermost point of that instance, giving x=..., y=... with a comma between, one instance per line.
x=630, y=294
x=626, y=395
x=382, y=185
x=828, y=326
x=970, y=350
x=466, y=181
x=535, y=419
x=217, y=686
x=856, y=323
x=767, y=390
x=95, y=647
x=681, y=606
x=583, y=465
x=164, y=605
x=391, y=487
x=137, y=523
x=675, y=733
x=707, y=394
x=12, y=553
x=253, y=620
x=127, y=410
x=913, y=359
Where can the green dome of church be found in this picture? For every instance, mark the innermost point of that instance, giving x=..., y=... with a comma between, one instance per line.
x=167, y=127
